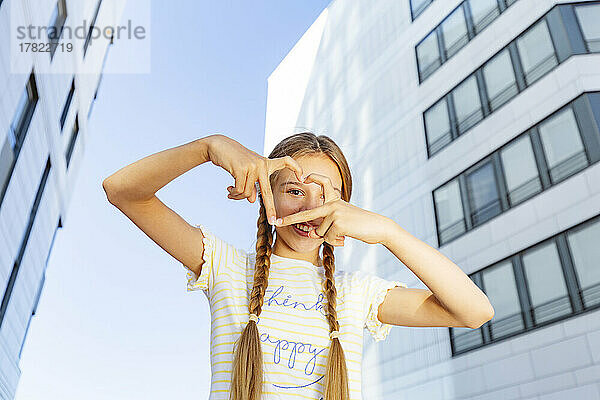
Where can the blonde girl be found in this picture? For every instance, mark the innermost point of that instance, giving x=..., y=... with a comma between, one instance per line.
x=284, y=323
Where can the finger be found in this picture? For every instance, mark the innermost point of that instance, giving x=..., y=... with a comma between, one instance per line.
x=325, y=183
x=267, y=195
x=276, y=164
x=304, y=216
x=323, y=229
x=238, y=196
x=240, y=182
x=252, y=197
x=249, y=188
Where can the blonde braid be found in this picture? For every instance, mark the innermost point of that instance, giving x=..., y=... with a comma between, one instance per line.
x=336, y=375
x=247, y=371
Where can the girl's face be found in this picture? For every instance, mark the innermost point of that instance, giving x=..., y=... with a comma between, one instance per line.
x=291, y=196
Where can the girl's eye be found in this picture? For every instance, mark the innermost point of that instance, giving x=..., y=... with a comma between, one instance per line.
x=298, y=190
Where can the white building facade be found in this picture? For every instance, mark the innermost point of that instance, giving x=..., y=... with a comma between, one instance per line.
x=475, y=125
x=43, y=130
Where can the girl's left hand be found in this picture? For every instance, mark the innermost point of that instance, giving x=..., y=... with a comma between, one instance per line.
x=340, y=218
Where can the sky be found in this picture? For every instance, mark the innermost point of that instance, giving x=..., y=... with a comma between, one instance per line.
x=114, y=320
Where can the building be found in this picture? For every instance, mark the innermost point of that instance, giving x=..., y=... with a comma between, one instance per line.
x=474, y=124
x=45, y=103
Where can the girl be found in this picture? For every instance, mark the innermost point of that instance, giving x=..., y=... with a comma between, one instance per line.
x=285, y=324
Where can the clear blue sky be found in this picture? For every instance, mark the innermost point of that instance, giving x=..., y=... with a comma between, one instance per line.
x=114, y=320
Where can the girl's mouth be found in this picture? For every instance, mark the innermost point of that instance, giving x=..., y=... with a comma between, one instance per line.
x=300, y=231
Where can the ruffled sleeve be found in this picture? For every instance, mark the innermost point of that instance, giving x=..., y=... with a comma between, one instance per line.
x=376, y=289
x=202, y=282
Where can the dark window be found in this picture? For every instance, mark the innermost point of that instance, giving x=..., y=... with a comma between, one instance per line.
x=501, y=289
x=583, y=245
x=588, y=16
x=88, y=38
x=483, y=13
x=437, y=126
x=72, y=141
x=24, y=242
x=428, y=55
x=532, y=55
x=418, y=6
x=546, y=282
x=67, y=106
x=500, y=80
x=467, y=104
x=537, y=52
x=482, y=189
x=454, y=32
x=25, y=108
x=449, y=210
x=520, y=170
x=563, y=147
x=57, y=22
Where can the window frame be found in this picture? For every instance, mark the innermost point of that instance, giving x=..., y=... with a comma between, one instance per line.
x=572, y=298
x=586, y=109
x=88, y=37
x=57, y=25
x=67, y=105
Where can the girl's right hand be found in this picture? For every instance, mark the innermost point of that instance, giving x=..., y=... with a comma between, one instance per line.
x=247, y=167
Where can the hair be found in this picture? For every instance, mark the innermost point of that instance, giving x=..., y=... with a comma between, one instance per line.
x=247, y=372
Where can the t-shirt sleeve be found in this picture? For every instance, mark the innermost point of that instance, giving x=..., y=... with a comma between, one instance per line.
x=375, y=290
x=217, y=253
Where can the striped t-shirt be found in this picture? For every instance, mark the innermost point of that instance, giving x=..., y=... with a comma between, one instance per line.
x=292, y=325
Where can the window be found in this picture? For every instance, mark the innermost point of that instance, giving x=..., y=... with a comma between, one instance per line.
x=500, y=81
x=454, y=32
x=57, y=22
x=482, y=190
x=65, y=111
x=546, y=283
x=25, y=108
x=17, y=132
x=537, y=52
x=529, y=289
x=457, y=29
x=583, y=244
x=428, y=55
x=88, y=38
x=418, y=6
x=520, y=170
x=562, y=145
x=483, y=12
x=588, y=17
x=501, y=289
x=437, y=126
x=72, y=141
x=449, y=209
x=467, y=104
x=519, y=64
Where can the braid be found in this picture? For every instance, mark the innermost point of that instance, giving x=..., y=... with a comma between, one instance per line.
x=247, y=372
x=336, y=376
x=264, y=249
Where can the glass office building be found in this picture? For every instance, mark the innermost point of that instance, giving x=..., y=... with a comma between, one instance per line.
x=43, y=129
x=475, y=125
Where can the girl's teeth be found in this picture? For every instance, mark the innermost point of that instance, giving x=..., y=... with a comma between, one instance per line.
x=304, y=227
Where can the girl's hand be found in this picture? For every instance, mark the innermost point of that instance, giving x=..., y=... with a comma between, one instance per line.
x=247, y=167
x=340, y=218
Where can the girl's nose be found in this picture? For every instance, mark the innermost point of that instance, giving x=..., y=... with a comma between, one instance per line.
x=312, y=201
